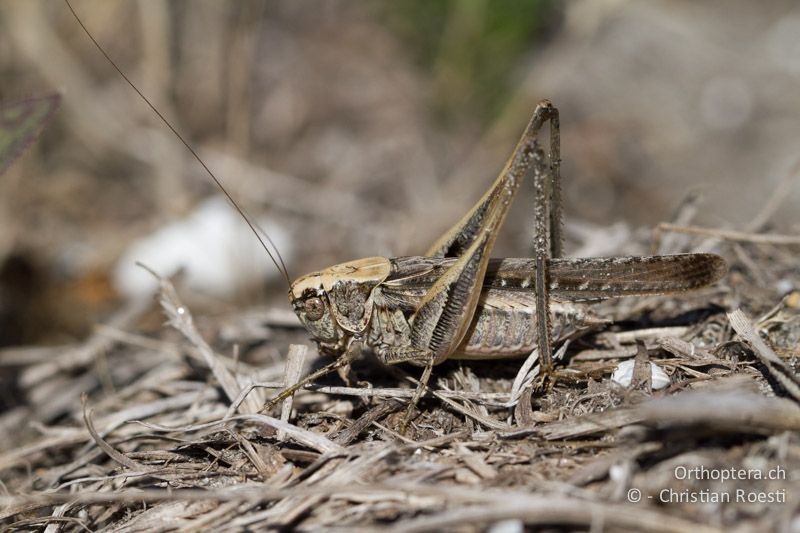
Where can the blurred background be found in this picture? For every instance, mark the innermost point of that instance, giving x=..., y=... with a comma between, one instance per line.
x=351, y=129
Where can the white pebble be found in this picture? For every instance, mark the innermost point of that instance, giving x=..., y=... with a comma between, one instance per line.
x=213, y=245
x=623, y=375
x=512, y=525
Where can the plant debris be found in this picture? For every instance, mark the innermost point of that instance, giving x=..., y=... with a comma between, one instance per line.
x=169, y=435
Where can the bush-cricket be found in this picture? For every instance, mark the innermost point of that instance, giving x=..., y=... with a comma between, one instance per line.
x=454, y=301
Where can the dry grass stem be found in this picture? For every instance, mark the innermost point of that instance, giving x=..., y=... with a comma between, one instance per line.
x=176, y=440
x=295, y=360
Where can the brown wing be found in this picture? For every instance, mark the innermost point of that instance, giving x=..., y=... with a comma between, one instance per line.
x=608, y=277
x=570, y=279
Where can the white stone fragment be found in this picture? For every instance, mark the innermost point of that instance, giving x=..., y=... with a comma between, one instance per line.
x=623, y=375
x=213, y=245
x=512, y=525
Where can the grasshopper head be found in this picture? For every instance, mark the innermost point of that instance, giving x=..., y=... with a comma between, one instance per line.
x=335, y=304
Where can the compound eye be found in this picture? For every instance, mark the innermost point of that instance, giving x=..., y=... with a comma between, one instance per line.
x=314, y=308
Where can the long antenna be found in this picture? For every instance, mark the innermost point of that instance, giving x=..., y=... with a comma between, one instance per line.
x=167, y=123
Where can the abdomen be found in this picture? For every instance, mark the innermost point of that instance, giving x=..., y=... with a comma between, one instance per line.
x=503, y=325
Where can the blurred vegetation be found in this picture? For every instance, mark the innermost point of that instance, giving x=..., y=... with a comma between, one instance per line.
x=469, y=49
x=346, y=123
x=20, y=124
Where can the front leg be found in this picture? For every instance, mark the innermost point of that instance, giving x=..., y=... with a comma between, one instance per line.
x=350, y=354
